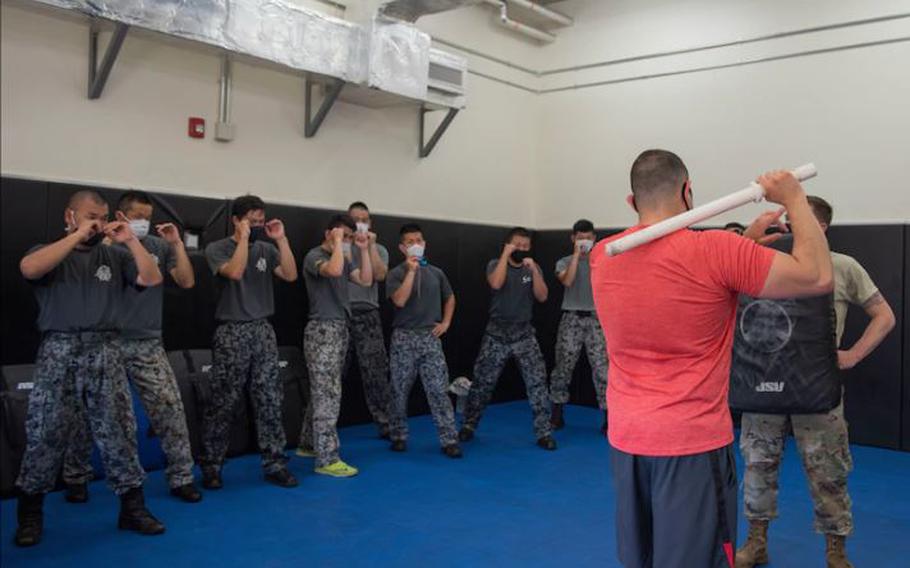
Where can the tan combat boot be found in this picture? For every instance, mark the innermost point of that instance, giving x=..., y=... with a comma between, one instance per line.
x=836, y=551
x=755, y=551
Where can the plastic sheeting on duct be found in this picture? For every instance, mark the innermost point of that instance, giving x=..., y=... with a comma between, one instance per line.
x=271, y=29
x=397, y=57
x=410, y=10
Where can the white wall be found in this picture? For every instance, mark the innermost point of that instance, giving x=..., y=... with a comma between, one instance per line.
x=135, y=135
x=848, y=111
x=511, y=156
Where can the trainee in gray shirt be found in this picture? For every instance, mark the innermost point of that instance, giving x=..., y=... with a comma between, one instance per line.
x=577, y=297
x=142, y=307
x=252, y=297
x=366, y=297
x=423, y=309
x=85, y=291
x=329, y=298
x=514, y=302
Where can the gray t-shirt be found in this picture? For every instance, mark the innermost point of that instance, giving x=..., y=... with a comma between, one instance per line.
x=424, y=308
x=252, y=297
x=514, y=302
x=578, y=296
x=85, y=291
x=363, y=297
x=328, y=296
x=142, y=307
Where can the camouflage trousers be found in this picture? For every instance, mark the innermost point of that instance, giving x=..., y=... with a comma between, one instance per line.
x=368, y=345
x=325, y=343
x=501, y=341
x=75, y=369
x=413, y=352
x=244, y=353
x=577, y=331
x=824, y=448
x=150, y=372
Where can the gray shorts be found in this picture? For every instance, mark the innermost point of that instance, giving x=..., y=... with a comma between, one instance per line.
x=675, y=511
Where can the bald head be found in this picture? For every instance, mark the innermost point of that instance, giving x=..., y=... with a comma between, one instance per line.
x=83, y=195
x=657, y=175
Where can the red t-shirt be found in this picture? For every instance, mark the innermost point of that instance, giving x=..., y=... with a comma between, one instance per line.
x=668, y=310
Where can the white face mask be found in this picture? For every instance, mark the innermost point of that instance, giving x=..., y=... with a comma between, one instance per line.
x=585, y=245
x=363, y=228
x=140, y=228
x=416, y=251
x=346, y=248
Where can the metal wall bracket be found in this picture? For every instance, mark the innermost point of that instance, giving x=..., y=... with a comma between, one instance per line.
x=97, y=75
x=312, y=123
x=426, y=148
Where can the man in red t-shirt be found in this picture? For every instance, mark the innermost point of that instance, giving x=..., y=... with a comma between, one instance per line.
x=668, y=310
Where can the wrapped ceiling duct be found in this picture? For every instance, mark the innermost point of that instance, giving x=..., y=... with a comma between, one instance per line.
x=383, y=53
x=410, y=10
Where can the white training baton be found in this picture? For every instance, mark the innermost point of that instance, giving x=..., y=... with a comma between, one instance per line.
x=753, y=193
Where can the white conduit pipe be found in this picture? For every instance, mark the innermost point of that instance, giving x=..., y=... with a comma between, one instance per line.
x=511, y=24
x=753, y=193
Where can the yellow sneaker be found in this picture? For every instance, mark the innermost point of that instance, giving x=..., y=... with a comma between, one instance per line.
x=305, y=452
x=337, y=469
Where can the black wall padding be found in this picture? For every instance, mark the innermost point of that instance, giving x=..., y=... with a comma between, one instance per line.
x=873, y=389
x=905, y=329
x=32, y=212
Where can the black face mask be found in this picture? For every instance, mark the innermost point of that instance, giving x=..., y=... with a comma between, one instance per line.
x=93, y=240
x=683, y=193
x=257, y=233
x=518, y=256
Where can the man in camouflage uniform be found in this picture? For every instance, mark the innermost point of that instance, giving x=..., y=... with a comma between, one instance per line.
x=367, y=342
x=327, y=271
x=579, y=326
x=822, y=439
x=78, y=285
x=424, y=306
x=145, y=360
x=516, y=281
x=244, y=349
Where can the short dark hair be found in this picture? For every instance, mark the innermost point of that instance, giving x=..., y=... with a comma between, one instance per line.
x=583, y=226
x=77, y=196
x=341, y=220
x=409, y=228
x=655, y=172
x=133, y=196
x=822, y=209
x=517, y=232
x=243, y=205
x=734, y=225
x=359, y=205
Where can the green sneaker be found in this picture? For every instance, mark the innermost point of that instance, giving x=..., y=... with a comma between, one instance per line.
x=337, y=469
x=305, y=452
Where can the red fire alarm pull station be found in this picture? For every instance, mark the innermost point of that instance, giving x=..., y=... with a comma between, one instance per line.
x=197, y=127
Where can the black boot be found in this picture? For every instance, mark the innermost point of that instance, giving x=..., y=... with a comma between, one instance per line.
x=187, y=493
x=30, y=514
x=547, y=443
x=452, y=451
x=556, y=418
x=77, y=493
x=211, y=477
x=466, y=434
x=605, y=425
x=135, y=517
x=282, y=478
